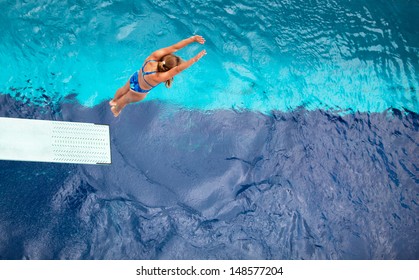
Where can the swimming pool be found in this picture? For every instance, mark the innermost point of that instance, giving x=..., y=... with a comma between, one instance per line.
x=294, y=138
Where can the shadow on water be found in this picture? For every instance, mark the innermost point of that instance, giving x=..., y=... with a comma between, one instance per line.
x=188, y=184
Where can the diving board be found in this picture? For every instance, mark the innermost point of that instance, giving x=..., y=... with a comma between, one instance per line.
x=54, y=141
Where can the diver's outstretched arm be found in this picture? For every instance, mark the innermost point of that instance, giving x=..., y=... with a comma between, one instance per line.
x=157, y=55
x=164, y=76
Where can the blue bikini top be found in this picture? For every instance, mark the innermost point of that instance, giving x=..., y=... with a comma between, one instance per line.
x=144, y=73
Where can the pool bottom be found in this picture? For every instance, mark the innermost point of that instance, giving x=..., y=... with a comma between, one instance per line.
x=188, y=184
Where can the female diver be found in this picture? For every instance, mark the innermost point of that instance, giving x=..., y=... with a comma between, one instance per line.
x=161, y=66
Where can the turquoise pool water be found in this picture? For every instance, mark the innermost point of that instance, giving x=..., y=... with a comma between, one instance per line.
x=344, y=56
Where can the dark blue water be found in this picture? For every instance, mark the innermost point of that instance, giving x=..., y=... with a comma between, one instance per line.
x=222, y=185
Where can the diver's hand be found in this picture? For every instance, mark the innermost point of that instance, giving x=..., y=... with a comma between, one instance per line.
x=199, y=55
x=199, y=39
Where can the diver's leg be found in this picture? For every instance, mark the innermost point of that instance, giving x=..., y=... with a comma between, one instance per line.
x=119, y=104
x=119, y=93
x=135, y=96
x=129, y=97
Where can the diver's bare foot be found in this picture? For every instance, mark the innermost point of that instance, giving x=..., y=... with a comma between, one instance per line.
x=112, y=103
x=115, y=110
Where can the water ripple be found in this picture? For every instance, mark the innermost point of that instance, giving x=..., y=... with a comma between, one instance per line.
x=340, y=55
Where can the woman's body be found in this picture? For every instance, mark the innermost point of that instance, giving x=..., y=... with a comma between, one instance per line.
x=160, y=66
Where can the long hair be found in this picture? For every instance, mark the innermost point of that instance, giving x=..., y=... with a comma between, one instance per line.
x=166, y=63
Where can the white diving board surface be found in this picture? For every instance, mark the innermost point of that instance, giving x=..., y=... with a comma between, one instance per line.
x=54, y=141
